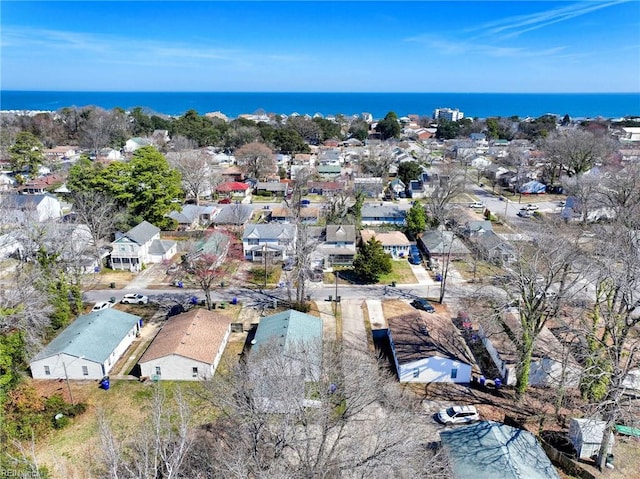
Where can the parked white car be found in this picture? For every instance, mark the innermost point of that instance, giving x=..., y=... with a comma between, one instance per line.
x=458, y=415
x=476, y=204
x=134, y=298
x=99, y=306
x=530, y=207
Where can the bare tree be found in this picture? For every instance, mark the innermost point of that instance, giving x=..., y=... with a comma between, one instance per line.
x=206, y=270
x=546, y=272
x=195, y=171
x=449, y=183
x=256, y=160
x=576, y=151
x=158, y=450
x=377, y=161
x=99, y=128
x=347, y=419
x=100, y=213
x=585, y=188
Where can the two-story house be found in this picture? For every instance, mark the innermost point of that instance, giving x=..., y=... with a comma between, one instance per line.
x=24, y=208
x=275, y=239
x=339, y=247
x=139, y=246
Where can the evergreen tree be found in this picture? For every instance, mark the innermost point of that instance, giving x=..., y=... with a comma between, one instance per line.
x=416, y=219
x=372, y=261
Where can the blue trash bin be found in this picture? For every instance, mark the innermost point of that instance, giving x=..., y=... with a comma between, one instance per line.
x=105, y=383
x=234, y=300
x=497, y=382
x=438, y=277
x=481, y=380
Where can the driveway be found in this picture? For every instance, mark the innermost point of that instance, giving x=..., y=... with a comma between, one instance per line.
x=354, y=334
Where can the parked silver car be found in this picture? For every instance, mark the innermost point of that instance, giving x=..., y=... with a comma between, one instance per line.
x=134, y=298
x=458, y=415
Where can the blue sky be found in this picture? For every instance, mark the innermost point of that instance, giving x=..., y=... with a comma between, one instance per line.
x=332, y=46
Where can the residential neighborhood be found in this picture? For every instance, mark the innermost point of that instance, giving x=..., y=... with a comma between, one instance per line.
x=429, y=272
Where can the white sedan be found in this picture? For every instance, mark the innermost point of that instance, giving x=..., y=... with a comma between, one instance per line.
x=458, y=415
x=134, y=298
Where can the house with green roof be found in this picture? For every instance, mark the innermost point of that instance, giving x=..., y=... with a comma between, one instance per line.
x=286, y=355
x=88, y=348
x=491, y=450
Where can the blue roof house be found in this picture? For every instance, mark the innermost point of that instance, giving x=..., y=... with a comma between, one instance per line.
x=378, y=214
x=88, y=348
x=491, y=450
x=286, y=354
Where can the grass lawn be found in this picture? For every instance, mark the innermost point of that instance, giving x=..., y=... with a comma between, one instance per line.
x=72, y=451
x=401, y=273
x=484, y=270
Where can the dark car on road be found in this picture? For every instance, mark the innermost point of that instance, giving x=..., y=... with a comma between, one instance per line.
x=423, y=304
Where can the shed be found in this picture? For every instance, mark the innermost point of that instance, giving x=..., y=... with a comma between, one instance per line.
x=586, y=436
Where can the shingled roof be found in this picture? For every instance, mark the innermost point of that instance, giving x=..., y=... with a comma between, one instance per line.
x=196, y=334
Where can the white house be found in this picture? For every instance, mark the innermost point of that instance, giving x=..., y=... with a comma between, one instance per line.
x=133, y=144
x=88, y=348
x=428, y=348
x=394, y=243
x=586, y=436
x=188, y=347
x=21, y=208
x=551, y=363
x=276, y=239
x=140, y=245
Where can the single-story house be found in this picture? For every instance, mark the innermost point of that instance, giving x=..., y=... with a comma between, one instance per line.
x=371, y=186
x=550, y=356
x=192, y=216
x=586, y=436
x=491, y=450
x=140, y=245
x=233, y=214
x=329, y=171
x=428, y=348
x=394, y=243
x=40, y=186
x=378, y=214
x=276, y=239
x=234, y=188
x=285, y=355
x=440, y=243
x=397, y=186
x=276, y=188
x=88, y=348
x=188, y=347
x=325, y=188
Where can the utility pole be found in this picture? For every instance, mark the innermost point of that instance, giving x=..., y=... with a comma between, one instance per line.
x=264, y=254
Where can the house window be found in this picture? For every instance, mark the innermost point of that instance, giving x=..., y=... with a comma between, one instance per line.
x=85, y=371
x=194, y=372
x=253, y=242
x=158, y=371
x=454, y=373
x=47, y=371
x=416, y=372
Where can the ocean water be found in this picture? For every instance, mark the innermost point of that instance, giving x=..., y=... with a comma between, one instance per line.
x=481, y=105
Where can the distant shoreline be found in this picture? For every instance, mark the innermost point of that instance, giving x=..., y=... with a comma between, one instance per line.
x=234, y=104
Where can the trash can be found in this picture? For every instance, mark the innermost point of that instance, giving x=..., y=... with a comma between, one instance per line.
x=140, y=323
x=194, y=300
x=105, y=383
x=481, y=380
x=222, y=284
x=180, y=284
x=438, y=277
x=112, y=299
x=338, y=299
x=234, y=300
x=393, y=283
x=112, y=285
x=497, y=383
x=330, y=298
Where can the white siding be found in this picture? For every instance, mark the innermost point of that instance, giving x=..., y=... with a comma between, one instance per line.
x=57, y=364
x=176, y=368
x=434, y=370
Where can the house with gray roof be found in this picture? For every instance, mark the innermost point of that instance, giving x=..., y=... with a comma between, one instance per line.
x=19, y=208
x=439, y=243
x=192, y=216
x=277, y=240
x=235, y=214
x=88, y=348
x=139, y=246
x=491, y=450
x=379, y=214
x=338, y=247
